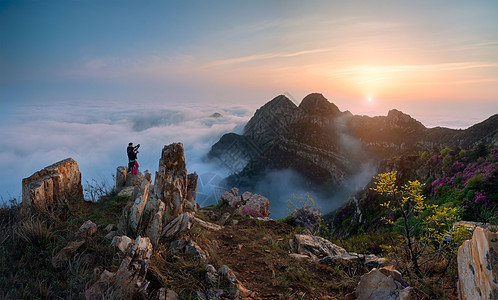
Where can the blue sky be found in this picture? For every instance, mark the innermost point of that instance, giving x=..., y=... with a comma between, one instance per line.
x=391, y=51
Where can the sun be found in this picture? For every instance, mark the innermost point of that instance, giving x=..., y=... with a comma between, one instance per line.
x=370, y=99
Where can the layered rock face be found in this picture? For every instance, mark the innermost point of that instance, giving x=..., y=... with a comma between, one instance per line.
x=164, y=208
x=326, y=145
x=478, y=266
x=52, y=185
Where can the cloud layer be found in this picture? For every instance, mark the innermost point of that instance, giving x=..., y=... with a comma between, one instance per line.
x=96, y=136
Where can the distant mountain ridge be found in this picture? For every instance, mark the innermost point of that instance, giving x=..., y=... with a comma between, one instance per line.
x=326, y=145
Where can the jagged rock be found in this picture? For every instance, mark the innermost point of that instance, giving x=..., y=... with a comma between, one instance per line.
x=323, y=251
x=162, y=210
x=214, y=294
x=227, y=274
x=110, y=228
x=193, y=249
x=171, y=181
x=478, y=266
x=224, y=218
x=231, y=197
x=308, y=217
x=121, y=173
x=51, y=187
x=127, y=191
x=132, y=213
x=110, y=236
x=178, y=245
x=384, y=284
x=255, y=205
x=211, y=275
x=121, y=242
x=63, y=256
x=191, y=192
x=178, y=226
x=130, y=276
x=248, y=203
x=208, y=225
x=155, y=226
x=87, y=229
x=129, y=279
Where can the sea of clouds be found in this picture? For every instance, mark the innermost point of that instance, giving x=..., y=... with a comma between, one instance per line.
x=96, y=135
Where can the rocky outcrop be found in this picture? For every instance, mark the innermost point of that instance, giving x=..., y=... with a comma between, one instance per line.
x=129, y=280
x=52, y=186
x=250, y=204
x=384, y=284
x=323, y=251
x=62, y=257
x=308, y=217
x=126, y=182
x=164, y=209
x=87, y=229
x=478, y=266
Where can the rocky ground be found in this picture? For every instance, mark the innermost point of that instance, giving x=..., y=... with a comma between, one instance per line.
x=149, y=240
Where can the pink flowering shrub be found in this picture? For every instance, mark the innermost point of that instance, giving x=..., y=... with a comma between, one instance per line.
x=249, y=211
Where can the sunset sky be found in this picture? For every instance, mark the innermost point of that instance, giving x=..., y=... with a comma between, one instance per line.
x=398, y=53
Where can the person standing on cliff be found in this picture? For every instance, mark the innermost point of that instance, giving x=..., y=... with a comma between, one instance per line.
x=132, y=158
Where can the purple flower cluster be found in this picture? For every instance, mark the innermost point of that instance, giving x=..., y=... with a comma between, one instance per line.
x=485, y=168
x=479, y=198
x=246, y=210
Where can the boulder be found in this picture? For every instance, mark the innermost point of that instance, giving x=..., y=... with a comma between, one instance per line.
x=214, y=294
x=384, y=284
x=195, y=250
x=51, y=186
x=211, y=275
x=178, y=226
x=478, y=266
x=208, y=225
x=87, y=229
x=308, y=217
x=254, y=205
x=122, y=243
x=325, y=252
x=227, y=274
x=230, y=197
x=63, y=256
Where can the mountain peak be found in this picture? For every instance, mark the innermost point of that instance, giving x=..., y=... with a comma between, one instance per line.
x=316, y=103
x=398, y=117
x=281, y=101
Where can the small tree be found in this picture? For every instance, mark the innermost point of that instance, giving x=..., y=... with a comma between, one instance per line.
x=437, y=238
x=407, y=201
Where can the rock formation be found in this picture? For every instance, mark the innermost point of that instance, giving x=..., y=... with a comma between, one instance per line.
x=129, y=280
x=308, y=217
x=478, y=266
x=248, y=203
x=52, y=186
x=324, y=251
x=162, y=210
x=384, y=284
